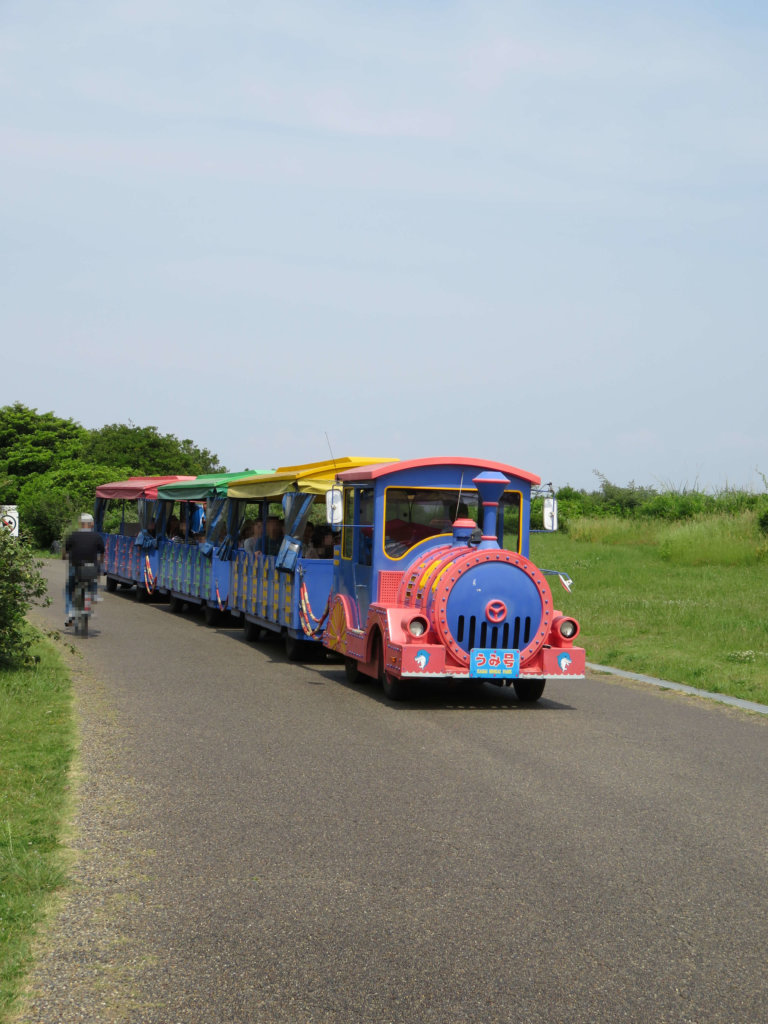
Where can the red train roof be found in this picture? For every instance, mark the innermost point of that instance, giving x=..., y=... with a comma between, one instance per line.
x=137, y=487
x=479, y=465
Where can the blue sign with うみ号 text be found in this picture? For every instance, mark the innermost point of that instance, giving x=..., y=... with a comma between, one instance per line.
x=492, y=663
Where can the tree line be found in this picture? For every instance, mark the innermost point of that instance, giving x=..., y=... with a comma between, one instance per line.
x=51, y=466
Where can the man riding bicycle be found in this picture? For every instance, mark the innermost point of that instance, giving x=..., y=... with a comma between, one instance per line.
x=82, y=547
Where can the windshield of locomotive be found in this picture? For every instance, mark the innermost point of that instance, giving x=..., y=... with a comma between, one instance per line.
x=414, y=514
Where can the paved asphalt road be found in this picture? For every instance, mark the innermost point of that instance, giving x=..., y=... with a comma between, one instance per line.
x=262, y=842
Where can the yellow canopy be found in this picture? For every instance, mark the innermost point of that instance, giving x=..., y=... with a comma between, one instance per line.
x=310, y=478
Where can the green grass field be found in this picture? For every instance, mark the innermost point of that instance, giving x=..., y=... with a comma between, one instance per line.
x=37, y=743
x=685, y=602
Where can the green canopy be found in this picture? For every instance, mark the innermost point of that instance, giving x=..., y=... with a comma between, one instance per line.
x=206, y=486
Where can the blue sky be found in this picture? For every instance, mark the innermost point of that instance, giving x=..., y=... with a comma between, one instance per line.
x=532, y=232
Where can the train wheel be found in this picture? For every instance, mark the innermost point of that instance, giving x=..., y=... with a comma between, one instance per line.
x=111, y=585
x=252, y=632
x=394, y=688
x=142, y=594
x=294, y=648
x=352, y=671
x=175, y=603
x=528, y=691
x=212, y=616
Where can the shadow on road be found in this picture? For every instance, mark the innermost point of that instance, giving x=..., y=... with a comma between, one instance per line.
x=323, y=668
x=445, y=695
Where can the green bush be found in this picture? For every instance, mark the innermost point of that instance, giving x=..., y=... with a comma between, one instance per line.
x=51, y=501
x=145, y=447
x=674, y=506
x=20, y=585
x=610, y=500
x=31, y=443
x=50, y=466
x=670, y=505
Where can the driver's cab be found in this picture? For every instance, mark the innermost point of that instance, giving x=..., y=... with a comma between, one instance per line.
x=390, y=515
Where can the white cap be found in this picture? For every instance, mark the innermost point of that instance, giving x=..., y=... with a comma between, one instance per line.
x=86, y=518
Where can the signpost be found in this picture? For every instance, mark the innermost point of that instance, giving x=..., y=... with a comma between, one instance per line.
x=9, y=519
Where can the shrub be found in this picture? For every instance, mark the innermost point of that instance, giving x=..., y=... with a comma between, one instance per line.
x=675, y=506
x=20, y=586
x=672, y=505
x=50, y=501
x=622, y=501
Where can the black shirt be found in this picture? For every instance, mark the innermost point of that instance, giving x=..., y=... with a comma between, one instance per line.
x=84, y=546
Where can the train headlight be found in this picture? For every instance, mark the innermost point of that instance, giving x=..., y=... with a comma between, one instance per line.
x=418, y=627
x=568, y=628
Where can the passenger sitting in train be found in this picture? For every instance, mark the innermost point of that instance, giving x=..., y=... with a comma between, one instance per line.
x=274, y=535
x=252, y=542
x=309, y=543
x=327, y=545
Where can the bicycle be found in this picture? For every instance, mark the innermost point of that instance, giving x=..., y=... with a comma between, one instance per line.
x=82, y=598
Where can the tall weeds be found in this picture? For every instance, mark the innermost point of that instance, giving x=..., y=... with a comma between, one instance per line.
x=715, y=540
x=704, y=540
x=614, y=530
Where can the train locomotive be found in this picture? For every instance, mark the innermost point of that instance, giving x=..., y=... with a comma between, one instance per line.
x=433, y=580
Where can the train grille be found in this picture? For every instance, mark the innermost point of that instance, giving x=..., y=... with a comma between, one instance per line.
x=389, y=586
x=473, y=632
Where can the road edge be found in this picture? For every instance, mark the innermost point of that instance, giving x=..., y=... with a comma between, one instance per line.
x=663, y=684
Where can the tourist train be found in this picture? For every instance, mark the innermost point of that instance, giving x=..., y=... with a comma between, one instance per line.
x=406, y=570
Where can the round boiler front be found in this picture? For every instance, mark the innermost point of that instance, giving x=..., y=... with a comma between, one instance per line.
x=492, y=599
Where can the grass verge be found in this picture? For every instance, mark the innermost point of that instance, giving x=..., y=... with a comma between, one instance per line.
x=682, y=603
x=37, y=743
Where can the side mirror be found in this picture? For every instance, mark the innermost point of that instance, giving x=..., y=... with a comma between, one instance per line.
x=550, y=514
x=334, y=507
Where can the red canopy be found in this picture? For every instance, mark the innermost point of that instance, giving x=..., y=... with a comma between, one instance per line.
x=373, y=472
x=137, y=487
